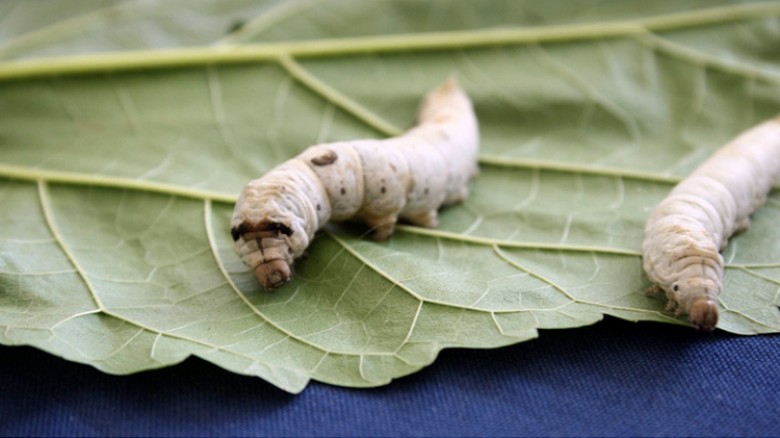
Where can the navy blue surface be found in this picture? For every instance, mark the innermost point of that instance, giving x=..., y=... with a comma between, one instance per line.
x=613, y=378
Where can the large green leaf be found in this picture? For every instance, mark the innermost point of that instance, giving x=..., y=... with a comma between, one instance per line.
x=127, y=131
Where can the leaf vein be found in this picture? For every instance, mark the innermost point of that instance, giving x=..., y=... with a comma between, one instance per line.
x=697, y=57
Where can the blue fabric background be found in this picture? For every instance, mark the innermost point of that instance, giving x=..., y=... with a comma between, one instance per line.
x=613, y=378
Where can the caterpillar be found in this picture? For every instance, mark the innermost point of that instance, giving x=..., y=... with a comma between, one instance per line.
x=407, y=177
x=686, y=231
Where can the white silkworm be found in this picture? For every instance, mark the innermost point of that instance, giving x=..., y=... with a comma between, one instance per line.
x=687, y=230
x=376, y=181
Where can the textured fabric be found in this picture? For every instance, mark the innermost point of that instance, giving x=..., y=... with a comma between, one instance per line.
x=613, y=378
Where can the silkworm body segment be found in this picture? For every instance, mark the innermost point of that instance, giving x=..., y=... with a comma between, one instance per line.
x=687, y=230
x=376, y=181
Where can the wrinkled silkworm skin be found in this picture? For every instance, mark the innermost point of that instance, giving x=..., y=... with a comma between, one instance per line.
x=376, y=181
x=688, y=229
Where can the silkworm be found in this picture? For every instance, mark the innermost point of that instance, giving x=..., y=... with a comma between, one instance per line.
x=686, y=231
x=407, y=177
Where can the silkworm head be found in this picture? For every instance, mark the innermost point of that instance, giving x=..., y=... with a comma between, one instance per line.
x=273, y=274
x=704, y=314
x=698, y=296
x=265, y=246
x=444, y=102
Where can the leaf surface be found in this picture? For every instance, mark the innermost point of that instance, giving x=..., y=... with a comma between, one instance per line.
x=127, y=130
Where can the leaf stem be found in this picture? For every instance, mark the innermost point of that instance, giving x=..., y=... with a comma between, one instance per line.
x=531, y=163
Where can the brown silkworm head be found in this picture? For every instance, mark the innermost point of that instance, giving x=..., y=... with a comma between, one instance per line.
x=704, y=314
x=696, y=296
x=273, y=274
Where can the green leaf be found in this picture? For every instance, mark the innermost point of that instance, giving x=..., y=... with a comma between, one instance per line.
x=127, y=130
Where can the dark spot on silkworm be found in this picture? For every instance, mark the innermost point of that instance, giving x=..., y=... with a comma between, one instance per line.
x=675, y=288
x=265, y=227
x=240, y=230
x=328, y=157
x=319, y=207
x=383, y=190
x=343, y=191
x=284, y=229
